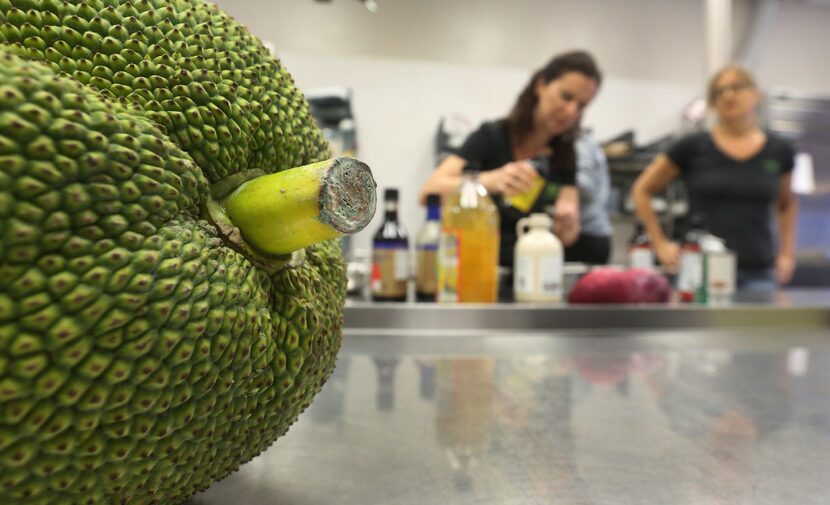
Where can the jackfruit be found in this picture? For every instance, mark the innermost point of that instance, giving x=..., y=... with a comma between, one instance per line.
x=154, y=331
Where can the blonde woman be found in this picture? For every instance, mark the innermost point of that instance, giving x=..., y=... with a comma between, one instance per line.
x=738, y=179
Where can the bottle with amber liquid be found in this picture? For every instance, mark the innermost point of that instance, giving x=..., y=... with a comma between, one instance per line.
x=390, y=254
x=468, y=250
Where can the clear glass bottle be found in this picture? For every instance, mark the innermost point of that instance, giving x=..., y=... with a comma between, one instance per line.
x=426, y=251
x=468, y=250
x=690, y=276
x=640, y=252
x=390, y=254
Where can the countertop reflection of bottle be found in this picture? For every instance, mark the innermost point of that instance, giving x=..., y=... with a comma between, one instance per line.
x=464, y=413
x=426, y=384
x=385, y=368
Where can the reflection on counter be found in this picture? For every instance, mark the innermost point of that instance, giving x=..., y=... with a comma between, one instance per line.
x=463, y=414
x=590, y=422
x=385, y=397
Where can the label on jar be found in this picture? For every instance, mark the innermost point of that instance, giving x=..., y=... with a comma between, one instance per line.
x=449, y=246
x=690, y=278
x=641, y=257
x=426, y=268
x=720, y=275
x=389, y=272
x=550, y=276
x=537, y=276
x=401, y=265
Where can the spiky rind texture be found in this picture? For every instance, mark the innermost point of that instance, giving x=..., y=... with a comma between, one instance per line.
x=198, y=73
x=140, y=357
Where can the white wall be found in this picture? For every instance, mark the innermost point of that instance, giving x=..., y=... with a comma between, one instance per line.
x=413, y=61
x=398, y=103
x=796, y=56
x=634, y=38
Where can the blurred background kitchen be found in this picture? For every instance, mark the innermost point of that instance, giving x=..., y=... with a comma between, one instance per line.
x=524, y=403
x=400, y=82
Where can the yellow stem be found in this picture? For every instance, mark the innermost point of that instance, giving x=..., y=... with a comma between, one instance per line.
x=289, y=210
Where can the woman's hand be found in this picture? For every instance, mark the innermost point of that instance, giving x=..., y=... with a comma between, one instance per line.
x=566, y=221
x=654, y=179
x=784, y=268
x=667, y=252
x=512, y=179
x=787, y=212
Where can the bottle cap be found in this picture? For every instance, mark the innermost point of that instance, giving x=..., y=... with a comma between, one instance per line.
x=711, y=243
x=433, y=199
x=640, y=237
x=540, y=219
x=390, y=194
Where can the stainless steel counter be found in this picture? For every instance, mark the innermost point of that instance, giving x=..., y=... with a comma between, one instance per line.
x=805, y=308
x=738, y=416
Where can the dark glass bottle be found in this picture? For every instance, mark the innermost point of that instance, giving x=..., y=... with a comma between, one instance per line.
x=390, y=254
x=426, y=251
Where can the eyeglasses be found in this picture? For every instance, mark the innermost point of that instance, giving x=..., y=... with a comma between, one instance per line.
x=734, y=87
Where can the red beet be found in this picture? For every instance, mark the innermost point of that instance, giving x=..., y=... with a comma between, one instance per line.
x=601, y=285
x=648, y=285
x=611, y=285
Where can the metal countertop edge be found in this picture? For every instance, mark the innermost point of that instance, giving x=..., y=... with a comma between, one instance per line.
x=410, y=316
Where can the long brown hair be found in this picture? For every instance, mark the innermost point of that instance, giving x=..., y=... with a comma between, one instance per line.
x=520, y=120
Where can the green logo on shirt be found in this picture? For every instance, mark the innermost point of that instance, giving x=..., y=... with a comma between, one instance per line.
x=551, y=190
x=772, y=166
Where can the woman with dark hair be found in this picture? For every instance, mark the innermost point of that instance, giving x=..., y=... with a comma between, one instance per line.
x=542, y=126
x=738, y=179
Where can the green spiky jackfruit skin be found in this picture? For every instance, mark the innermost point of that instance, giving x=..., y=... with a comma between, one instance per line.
x=194, y=70
x=140, y=357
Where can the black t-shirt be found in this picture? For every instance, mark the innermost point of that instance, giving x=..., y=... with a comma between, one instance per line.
x=491, y=147
x=735, y=197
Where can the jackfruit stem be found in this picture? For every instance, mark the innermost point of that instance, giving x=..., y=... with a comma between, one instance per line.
x=283, y=212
